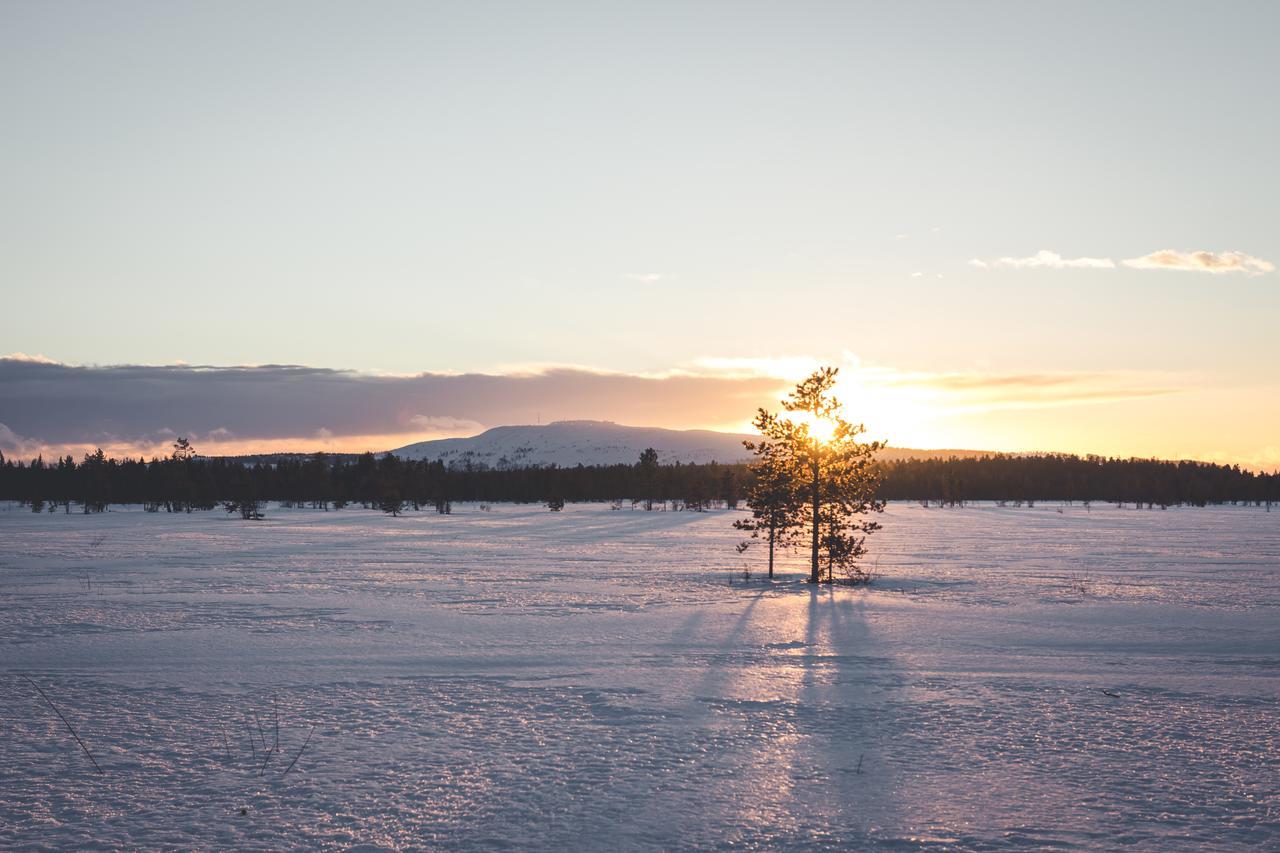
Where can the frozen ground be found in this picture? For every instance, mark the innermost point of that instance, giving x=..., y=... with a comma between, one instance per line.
x=522, y=679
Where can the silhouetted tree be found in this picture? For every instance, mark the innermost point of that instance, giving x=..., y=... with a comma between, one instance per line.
x=774, y=500
x=648, y=468
x=95, y=481
x=249, y=508
x=830, y=468
x=391, y=503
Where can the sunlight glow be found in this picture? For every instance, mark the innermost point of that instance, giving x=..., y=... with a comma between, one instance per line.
x=822, y=429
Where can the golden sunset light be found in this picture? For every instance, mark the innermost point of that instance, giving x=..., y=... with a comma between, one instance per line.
x=702, y=425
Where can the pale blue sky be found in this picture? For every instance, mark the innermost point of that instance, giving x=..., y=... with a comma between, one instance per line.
x=635, y=187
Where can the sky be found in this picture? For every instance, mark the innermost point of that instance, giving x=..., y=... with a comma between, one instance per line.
x=1014, y=226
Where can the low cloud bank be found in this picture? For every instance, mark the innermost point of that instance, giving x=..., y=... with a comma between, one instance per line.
x=51, y=407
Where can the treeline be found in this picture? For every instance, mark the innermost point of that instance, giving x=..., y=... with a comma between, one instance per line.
x=186, y=482
x=183, y=484
x=1074, y=478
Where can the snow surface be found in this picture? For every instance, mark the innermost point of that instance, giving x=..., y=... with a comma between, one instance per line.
x=590, y=679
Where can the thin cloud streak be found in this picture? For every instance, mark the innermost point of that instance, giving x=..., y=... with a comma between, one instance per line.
x=969, y=392
x=1044, y=259
x=1217, y=263
x=972, y=381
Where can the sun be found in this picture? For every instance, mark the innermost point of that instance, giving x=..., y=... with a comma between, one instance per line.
x=822, y=430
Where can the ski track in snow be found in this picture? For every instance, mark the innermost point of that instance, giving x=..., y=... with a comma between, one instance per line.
x=1016, y=678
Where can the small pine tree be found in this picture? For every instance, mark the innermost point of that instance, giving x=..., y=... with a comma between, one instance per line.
x=648, y=468
x=250, y=509
x=391, y=503
x=729, y=492
x=773, y=499
x=831, y=471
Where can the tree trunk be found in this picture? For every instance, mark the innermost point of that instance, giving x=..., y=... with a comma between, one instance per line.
x=814, y=576
x=773, y=534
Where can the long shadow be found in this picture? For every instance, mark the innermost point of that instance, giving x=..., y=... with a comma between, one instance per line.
x=843, y=711
x=719, y=662
x=657, y=816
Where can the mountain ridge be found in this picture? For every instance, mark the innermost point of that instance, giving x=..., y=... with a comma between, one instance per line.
x=588, y=442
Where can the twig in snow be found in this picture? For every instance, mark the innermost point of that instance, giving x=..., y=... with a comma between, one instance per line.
x=261, y=733
x=299, y=755
x=46, y=698
x=275, y=747
x=252, y=746
x=266, y=761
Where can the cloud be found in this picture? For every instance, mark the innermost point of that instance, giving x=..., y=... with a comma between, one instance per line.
x=139, y=409
x=1210, y=262
x=790, y=368
x=442, y=424
x=16, y=446
x=974, y=391
x=958, y=392
x=34, y=359
x=1166, y=259
x=649, y=277
x=1044, y=259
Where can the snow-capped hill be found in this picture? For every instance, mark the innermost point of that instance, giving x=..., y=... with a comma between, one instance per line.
x=569, y=443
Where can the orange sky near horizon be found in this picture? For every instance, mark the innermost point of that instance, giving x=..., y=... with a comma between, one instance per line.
x=1118, y=413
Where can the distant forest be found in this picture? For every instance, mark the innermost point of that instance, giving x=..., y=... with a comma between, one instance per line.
x=186, y=482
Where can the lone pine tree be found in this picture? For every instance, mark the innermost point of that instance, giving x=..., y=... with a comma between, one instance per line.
x=829, y=471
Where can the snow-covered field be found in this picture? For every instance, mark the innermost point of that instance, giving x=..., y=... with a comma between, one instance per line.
x=590, y=679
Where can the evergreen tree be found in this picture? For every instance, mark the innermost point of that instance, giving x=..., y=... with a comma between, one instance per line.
x=729, y=492
x=648, y=468
x=830, y=469
x=95, y=480
x=249, y=508
x=391, y=503
x=774, y=501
